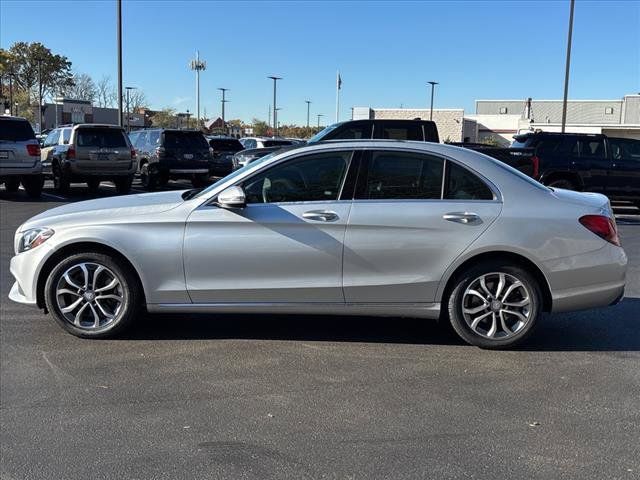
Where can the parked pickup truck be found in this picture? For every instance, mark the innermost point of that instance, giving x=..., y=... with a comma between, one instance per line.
x=575, y=161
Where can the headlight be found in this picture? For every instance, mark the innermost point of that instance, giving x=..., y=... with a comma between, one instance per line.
x=34, y=237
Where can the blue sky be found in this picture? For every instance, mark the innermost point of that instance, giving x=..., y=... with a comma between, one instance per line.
x=386, y=51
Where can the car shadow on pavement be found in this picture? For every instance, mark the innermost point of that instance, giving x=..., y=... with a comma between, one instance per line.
x=607, y=329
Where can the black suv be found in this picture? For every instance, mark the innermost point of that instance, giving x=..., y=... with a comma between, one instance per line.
x=592, y=163
x=223, y=149
x=419, y=130
x=170, y=154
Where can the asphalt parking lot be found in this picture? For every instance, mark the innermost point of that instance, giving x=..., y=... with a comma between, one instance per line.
x=264, y=397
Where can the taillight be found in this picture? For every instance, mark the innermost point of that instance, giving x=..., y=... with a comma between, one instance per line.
x=160, y=151
x=535, y=163
x=33, y=150
x=133, y=153
x=603, y=226
x=71, y=153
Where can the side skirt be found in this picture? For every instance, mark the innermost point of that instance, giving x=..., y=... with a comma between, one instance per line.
x=418, y=310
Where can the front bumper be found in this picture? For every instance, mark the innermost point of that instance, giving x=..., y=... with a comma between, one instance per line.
x=590, y=280
x=25, y=268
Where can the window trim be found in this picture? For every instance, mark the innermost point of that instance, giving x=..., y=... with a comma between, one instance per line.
x=365, y=163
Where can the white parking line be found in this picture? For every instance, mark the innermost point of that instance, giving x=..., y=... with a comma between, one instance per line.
x=57, y=197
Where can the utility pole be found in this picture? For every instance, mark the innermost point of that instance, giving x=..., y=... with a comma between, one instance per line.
x=128, y=113
x=319, y=115
x=275, y=107
x=198, y=65
x=119, y=41
x=308, y=110
x=433, y=87
x=223, y=101
x=567, y=67
x=11, y=74
x=39, y=96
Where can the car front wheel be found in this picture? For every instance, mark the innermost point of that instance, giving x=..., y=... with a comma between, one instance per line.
x=93, y=295
x=494, y=305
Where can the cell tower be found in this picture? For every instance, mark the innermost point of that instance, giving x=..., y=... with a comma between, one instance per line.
x=198, y=65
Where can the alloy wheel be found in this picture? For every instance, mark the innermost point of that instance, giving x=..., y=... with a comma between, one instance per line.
x=496, y=305
x=89, y=295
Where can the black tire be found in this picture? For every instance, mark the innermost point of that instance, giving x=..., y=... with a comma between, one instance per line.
x=61, y=181
x=33, y=185
x=148, y=178
x=93, y=184
x=199, y=181
x=12, y=184
x=480, y=335
x=562, y=183
x=130, y=292
x=123, y=184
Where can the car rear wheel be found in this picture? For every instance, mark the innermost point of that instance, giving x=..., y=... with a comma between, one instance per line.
x=33, y=185
x=494, y=305
x=61, y=181
x=12, y=184
x=93, y=295
x=148, y=178
x=562, y=183
x=123, y=184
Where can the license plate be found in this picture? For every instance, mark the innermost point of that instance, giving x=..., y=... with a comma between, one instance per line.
x=188, y=156
x=4, y=154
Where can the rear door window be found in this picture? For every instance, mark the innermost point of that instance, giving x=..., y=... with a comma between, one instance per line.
x=592, y=148
x=401, y=175
x=350, y=132
x=625, y=149
x=462, y=184
x=16, y=131
x=100, y=138
x=399, y=131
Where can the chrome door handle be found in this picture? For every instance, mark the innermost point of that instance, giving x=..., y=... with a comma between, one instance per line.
x=321, y=215
x=461, y=217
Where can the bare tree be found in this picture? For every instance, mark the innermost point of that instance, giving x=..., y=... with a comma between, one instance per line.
x=83, y=88
x=136, y=100
x=106, y=95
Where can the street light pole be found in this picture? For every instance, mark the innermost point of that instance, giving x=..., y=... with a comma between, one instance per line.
x=308, y=110
x=319, y=115
x=198, y=66
x=223, y=90
x=11, y=74
x=39, y=95
x=119, y=41
x=567, y=67
x=433, y=87
x=275, y=105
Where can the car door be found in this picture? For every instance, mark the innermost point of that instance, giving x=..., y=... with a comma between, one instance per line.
x=594, y=164
x=49, y=145
x=624, y=176
x=285, y=246
x=412, y=215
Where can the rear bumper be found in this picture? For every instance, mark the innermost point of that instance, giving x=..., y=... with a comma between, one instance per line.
x=95, y=169
x=590, y=280
x=35, y=169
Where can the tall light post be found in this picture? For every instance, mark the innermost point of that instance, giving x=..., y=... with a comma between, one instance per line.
x=223, y=101
x=198, y=65
x=119, y=42
x=128, y=89
x=275, y=105
x=319, y=115
x=39, y=60
x=308, y=110
x=567, y=67
x=11, y=74
x=433, y=87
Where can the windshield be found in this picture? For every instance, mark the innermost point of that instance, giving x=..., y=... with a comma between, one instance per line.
x=322, y=133
x=236, y=173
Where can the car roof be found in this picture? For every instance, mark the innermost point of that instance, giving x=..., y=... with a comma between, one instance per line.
x=11, y=117
x=98, y=125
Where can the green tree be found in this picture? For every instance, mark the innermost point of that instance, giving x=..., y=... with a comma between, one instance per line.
x=165, y=118
x=25, y=59
x=260, y=127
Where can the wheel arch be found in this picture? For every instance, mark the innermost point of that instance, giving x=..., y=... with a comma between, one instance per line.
x=573, y=177
x=502, y=255
x=78, y=247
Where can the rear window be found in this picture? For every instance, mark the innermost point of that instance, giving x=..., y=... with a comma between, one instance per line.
x=521, y=141
x=16, y=131
x=100, y=138
x=190, y=140
x=276, y=143
x=225, y=145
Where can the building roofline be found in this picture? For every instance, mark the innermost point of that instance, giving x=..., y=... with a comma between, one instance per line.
x=546, y=100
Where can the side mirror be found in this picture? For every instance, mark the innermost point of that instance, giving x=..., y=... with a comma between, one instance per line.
x=232, y=197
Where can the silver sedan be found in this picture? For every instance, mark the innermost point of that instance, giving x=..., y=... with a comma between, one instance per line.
x=358, y=227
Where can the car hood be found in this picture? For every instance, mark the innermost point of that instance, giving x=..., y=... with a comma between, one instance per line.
x=104, y=209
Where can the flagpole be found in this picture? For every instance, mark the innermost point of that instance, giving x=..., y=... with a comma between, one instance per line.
x=337, y=95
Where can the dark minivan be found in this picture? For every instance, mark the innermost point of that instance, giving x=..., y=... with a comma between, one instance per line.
x=171, y=154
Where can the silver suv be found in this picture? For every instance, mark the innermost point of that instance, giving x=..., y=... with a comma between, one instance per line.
x=89, y=153
x=19, y=156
